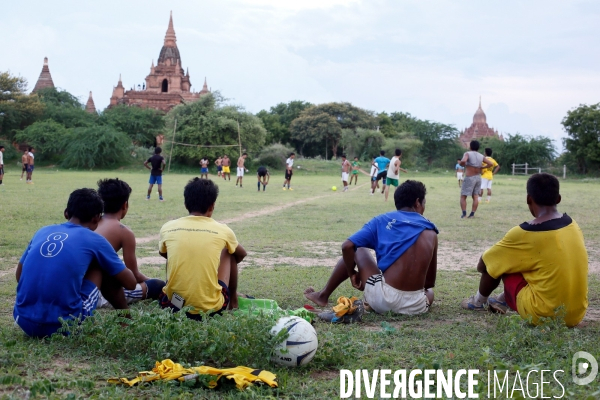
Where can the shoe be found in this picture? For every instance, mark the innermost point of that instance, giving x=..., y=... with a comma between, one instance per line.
x=161, y=199
x=494, y=305
x=147, y=197
x=469, y=304
x=21, y=178
x=371, y=194
x=487, y=201
x=290, y=189
x=356, y=316
x=284, y=189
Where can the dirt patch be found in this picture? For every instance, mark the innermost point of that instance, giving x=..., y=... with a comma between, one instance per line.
x=453, y=258
x=593, y=257
x=325, y=375
x=592, y=315
x=147, y=239
x=156, y=260
x=270, y=260
x=8, y=272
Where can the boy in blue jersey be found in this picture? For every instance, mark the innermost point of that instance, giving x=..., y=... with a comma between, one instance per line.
x=405, y=243
x=382, y=163
x=65, y=267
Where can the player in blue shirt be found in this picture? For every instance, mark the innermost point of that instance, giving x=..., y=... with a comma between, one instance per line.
x=382, y=163
x=65, y=267
x=405, y=243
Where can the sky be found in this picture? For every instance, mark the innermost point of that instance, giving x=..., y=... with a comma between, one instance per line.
x=530, y=62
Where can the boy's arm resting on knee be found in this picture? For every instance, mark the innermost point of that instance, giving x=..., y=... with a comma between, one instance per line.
x=19, y=270
x=349, y=254
x=432, y=269
x=239, y=253
x=129, y=258
x=127, y=279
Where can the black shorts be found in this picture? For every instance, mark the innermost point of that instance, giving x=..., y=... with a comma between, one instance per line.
x=288, y=174
x=382, y=175
x=25, y=167
x=261, y=172
x=1, y=170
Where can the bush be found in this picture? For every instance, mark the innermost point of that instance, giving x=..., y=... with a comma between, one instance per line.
x=48, y=137
x=274, y=156
x=96, y=146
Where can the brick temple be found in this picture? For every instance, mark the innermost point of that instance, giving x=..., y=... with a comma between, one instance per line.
x=166, y=86
x=478, y=129
x=45, y=79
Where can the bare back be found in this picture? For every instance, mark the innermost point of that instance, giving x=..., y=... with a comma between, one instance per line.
x=240, y=162
x=121, y=237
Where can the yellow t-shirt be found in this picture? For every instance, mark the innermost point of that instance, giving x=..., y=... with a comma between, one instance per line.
x=193, y=246
x=486, y=173
x=553, y=260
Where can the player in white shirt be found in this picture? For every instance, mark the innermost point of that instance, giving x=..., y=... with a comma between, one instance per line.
x=1, y=164
x=289, y=165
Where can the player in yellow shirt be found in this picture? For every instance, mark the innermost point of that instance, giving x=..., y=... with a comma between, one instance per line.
x=543, y=263
x=202, y=256
x=487, y=175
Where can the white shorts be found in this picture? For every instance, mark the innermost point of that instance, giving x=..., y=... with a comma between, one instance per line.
x=240, y=171
x=459, y=176
x=345, y=176
x=383, y=298
x=130, y=295
x=486, y=183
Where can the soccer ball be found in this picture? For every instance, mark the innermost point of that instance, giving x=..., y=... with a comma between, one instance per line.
x=299, y=347
x=334, y=188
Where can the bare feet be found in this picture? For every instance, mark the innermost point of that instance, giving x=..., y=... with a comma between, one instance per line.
x=315, y=297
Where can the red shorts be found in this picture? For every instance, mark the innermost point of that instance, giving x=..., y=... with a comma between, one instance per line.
x=513, y=283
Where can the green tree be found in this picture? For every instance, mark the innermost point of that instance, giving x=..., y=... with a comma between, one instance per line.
x=140, y=124
x=96, y=146
x=64, y=108
x=278, y=119
x=206, y=125
x=324, y=124
x=518, y=149
x=438, y=140
x=17, y=109
x=583, y=142
x=48, y=137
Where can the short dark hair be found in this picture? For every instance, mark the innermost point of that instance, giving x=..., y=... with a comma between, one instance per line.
x=407, y=193
x=343, y=156
x=474, y=145
x=114, y=194
x=544, y=189
x=1, y=147
x=31, y=148
x=84, y=204
x=292, y=154
x=157, y=150
x=382, y=153
x=200, y=194
x=398, y=152
x=356, y=157
x=244, y=154
x=488, y=151
x=458, y=159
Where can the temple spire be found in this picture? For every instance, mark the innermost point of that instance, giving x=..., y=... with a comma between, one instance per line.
x=479, y=101
x=45, y=79
x=170, y=38
x=90, y=106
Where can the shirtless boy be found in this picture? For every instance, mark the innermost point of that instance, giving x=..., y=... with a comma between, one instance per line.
x=473, y=161
x=219, y=164
x=226, y=165
x=405, y=243
x=241, y=169
x=24, y=159
x=204, y=168
x=30, y=164
x=346, y=166
x=115, y=194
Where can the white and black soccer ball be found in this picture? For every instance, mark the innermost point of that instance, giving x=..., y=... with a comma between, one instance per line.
x=299, y=347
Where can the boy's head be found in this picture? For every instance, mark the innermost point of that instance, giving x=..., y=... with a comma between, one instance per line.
x=355, y=158
x=382, y=153
x=488, y=152
x=86, y=205
x=244, y=155
x=157, y=150
x=411, y=194
x=474, y=145
x=200, y=196
x=292, y=155
x=398, y=152
x=115, y=195
x=1, y=148
x=344, y=157
x=543, y=189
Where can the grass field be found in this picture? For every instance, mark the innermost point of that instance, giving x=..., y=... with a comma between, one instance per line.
x=293, y=239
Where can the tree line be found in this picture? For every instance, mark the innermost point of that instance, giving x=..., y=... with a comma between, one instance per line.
x=57, y=125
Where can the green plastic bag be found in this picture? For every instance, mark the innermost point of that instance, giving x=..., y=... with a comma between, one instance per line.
x=267, y=306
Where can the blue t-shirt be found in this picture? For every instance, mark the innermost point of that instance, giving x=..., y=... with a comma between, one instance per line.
x=54, y=264
x=382, y=163
x=391, y=234
x=459, y=167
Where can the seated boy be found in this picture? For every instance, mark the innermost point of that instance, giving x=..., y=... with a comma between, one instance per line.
x=405, y=244
x=64, y=268
x=115, y=194
x=543, y=263
x=202, y=256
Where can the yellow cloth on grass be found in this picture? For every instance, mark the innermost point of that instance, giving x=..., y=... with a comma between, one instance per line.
x=344, y=306
x=168, y=370
x=194, y=246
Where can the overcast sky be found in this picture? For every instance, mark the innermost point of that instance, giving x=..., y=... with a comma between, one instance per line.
x=531, y=61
